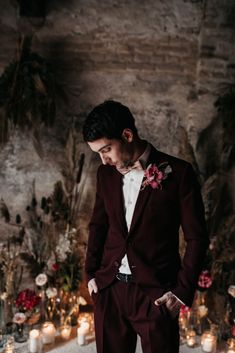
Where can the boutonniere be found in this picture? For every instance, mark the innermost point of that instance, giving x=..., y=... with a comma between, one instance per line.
x=154, y=175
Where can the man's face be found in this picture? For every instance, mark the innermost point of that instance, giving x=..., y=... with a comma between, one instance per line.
x=114, y=152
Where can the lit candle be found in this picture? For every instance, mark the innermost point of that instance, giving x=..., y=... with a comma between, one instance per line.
x=48, y=333
x=82, y=332
x=191, y=338
x=9, y=347
x=34, y=341
x=65, y=332
x=208, y=342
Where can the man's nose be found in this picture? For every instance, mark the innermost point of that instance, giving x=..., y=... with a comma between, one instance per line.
x=103, y=159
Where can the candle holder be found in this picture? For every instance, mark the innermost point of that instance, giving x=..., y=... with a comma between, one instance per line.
x=48, y=333
x=9, y=347
x=209, y=341
x=20, y=335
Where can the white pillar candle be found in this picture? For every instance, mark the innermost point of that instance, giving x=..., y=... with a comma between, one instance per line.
x=48, y=333
x=34, y=341
x=208, y=344
x=65, y=332
x=82, y=332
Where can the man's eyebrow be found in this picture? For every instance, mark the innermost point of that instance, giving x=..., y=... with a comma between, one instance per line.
x=104, y=147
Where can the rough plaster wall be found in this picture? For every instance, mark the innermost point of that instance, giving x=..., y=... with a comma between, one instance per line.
x=164, y=59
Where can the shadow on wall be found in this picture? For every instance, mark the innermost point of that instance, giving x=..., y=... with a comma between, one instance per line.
x=40, y=8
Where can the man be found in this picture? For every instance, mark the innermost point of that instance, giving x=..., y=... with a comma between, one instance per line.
x=134, y=271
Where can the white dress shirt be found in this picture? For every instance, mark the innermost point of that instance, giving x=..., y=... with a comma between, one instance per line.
x=131, y=186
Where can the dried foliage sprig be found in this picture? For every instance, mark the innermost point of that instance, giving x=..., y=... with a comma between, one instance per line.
x=72, y=169
x=11, y=267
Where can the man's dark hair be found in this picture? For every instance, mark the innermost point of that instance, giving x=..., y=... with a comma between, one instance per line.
x=108, y=119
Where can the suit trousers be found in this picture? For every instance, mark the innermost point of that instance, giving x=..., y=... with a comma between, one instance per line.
x=123, y=310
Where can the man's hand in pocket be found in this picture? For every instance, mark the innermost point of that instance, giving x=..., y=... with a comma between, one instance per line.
x=92, y=286
x=172, y=303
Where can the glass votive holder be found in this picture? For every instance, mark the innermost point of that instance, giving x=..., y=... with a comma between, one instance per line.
x=208, y=342
x=2, y=337
x=191, y=338
x=65, y=331
x=48, y=332
x=9, y=347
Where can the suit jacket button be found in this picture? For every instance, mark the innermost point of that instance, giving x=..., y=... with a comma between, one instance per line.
x=116, y=263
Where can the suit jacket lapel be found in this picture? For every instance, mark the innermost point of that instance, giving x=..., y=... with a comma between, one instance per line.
x=118, y=201
x=144, y=194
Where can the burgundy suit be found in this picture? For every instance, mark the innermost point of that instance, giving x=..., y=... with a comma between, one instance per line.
x=152, y=243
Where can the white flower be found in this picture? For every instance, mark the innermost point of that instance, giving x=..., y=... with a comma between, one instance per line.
x=63, y=247
x=73, y=231
x=41, y=279
x=3, y=296
x=231, y=290
x=81, y=301
x=19, y=318
x=51, y=292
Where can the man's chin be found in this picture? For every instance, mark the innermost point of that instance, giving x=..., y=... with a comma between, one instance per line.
x=119, y=166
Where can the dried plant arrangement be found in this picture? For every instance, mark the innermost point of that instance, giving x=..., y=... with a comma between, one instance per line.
x=49, y=234
x=28, y=90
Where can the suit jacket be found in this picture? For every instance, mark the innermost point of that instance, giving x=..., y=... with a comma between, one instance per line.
x=152, y=243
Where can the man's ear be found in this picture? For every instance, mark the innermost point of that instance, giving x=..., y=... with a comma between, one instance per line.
x=127, y=135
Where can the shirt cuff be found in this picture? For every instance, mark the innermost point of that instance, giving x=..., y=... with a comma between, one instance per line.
x=178, y=298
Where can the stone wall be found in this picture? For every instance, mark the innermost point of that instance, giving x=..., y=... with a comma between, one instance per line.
x=166, y=60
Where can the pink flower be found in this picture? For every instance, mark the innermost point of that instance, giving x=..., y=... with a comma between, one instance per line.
x=205, y=280
x=154, y=184
x=160, y=175
x=19, y=318
x=184, y=310
x=154, y=175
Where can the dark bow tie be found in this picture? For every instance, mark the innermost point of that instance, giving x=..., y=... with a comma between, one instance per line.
x=137, y=165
